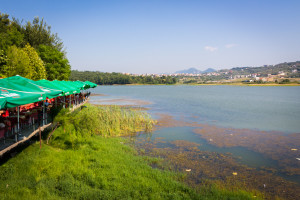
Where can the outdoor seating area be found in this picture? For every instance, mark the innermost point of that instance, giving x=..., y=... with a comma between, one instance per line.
x=26, y=105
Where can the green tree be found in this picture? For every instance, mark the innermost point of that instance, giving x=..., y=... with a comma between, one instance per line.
x=17, y=39
x=9, y=33
x=3, y=64
x=38, y=32
x=18, y=63
x=56, y=64
x=36, y=64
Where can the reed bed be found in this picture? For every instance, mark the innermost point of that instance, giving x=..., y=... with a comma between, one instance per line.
x=107, y=121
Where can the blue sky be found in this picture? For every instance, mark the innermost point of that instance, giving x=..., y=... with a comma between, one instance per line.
x=157, y=36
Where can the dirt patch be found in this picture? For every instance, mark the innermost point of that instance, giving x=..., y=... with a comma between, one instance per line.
x=95, y=95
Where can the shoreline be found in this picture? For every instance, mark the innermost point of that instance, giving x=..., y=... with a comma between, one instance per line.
x=190, y=149
x=211, y=84
x=91, y=166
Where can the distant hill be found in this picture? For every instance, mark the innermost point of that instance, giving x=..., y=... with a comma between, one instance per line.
x=208, y=70
x=291, y=69
x=194, y=71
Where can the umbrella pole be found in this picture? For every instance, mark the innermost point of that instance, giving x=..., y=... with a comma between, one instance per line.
x=64, y=101
x=16, y=135
x=55, y=102
x=43, y=113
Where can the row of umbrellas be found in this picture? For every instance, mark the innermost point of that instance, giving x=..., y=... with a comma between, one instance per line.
x=17, y=90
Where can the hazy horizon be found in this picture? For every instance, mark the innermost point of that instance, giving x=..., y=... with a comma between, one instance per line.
x=168, y=36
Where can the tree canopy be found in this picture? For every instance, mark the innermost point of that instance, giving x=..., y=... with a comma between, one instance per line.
x=102, y=78
x=57, y=65
x=31, y=50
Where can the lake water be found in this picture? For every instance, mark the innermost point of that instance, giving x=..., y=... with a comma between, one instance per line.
x=261, y=108
x=270, y=109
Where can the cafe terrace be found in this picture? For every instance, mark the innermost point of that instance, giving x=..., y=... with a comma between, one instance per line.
x=26, y=106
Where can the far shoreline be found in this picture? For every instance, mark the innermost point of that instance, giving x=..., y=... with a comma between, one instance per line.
x=211, y=84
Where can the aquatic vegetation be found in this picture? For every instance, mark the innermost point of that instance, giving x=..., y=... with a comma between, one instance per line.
x=204, y=169
x=275, y=145
x=223, y=170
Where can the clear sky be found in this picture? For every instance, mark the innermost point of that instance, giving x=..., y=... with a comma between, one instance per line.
x=157, y=36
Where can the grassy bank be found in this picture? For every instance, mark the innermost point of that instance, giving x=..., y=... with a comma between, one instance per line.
x=83, y=162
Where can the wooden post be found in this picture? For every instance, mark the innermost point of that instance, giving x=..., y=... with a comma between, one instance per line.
x=70, y=99
x=52, y=132
x=40, y=133
x=33, y=123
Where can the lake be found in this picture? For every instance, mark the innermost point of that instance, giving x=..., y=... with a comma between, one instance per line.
x=257, y=127
x=262, y=108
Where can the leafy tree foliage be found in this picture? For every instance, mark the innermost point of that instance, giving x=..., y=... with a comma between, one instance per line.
x=18, y=63
x=3, y=63
x=9, y=33
x=102, y=78
x=36, y=64
x=23, y=61
x=57, y=65
x=38, y=32
x=31, y=50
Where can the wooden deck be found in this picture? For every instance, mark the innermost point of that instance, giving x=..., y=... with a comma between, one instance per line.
x=15, y=144
x=10, y=144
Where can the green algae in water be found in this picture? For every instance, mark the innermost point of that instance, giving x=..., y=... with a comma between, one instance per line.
x=242, y=155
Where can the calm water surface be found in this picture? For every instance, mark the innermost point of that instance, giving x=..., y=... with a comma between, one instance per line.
x=261, y=108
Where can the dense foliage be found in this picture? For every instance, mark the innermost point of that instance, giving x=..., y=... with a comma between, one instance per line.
x=102, y=78
x=31, y=50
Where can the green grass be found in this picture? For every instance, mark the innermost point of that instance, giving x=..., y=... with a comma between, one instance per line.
x=78, y=165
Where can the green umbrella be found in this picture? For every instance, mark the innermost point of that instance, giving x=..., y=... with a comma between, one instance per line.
x=20, y=85
x=67, y=90
x=70, y=84
x=15, y=97
x=92, y=85
x=2, y=102
x=70, y=89
x=34, y=86
x=82, y=85
x=54, y=85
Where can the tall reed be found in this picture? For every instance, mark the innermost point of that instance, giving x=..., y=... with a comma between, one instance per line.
x=107, y=121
